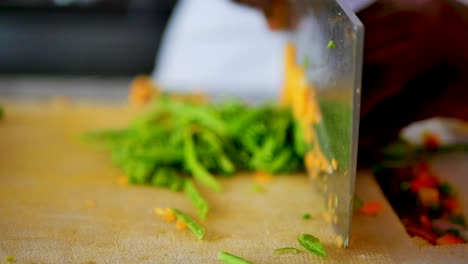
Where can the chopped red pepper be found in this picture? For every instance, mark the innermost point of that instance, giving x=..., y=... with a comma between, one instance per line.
x=423, y=233
x=449, y=239
x=423, y=180
x=451, y=204
x=425, y=221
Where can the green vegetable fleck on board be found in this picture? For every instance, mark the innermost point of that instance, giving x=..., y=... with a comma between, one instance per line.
x=331, y=45
x=9, y=259
x=286, y=250
x=312, y=244
x=198, y=230
x=306, y=216
x=229, y=258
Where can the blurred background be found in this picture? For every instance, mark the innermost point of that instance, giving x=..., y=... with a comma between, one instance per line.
x=81, y=37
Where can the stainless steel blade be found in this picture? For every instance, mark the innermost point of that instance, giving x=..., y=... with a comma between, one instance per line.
x=329, y=39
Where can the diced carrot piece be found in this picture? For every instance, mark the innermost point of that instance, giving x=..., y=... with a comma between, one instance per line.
x=180, y=224
x=371, y=208
x=142, y=90
x=169, y=216
x=449, y=239
x=262, y=177
x=122, y=180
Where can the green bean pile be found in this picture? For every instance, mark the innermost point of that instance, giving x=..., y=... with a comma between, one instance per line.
x=176, y=140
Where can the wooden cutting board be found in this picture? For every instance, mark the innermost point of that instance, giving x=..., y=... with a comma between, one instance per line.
x=61, y=203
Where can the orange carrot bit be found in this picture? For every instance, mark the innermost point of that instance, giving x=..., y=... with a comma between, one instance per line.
x=449, y=239
x=122, y=181
x=180, y=224
x=262, y=177
x=371, y=208
x=159, y=211
x=166, y=214
x=327, y=216
x=142, y=90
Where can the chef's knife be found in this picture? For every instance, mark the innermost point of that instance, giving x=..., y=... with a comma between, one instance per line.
x=329, y=39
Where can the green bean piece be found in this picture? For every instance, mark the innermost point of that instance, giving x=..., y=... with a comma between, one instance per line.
x=197, y=200
x=196, y=229
x=229, y=258
x=312, y=244
x=198, y=171
x=306, y=216
x=9, y=259
x=286, y=250
x=216, y=144
x=138, y=171
x=168, y=178
x=2, y=112
x=280, y=161
x=300, y=145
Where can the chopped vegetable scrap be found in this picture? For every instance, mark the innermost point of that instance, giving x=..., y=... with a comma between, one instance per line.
x=142, y=90
x=229, y=258
x=331, y=45
x=357, y=202
x=371, y=208
x=306, y=216
x=449, y=239
x=262, y=177
x=312, y=244
x=9, y=259
x=2, y=112
x=182, y=220
x=286, y=250
x=196, y=229
x=122, y=181
x=428, y=207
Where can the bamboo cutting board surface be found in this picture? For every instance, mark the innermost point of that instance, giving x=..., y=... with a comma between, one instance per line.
x=61, y=203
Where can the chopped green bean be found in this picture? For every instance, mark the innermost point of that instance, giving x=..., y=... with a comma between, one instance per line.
x=198, y=171
x=286, y=250
x=331, y=45
x=197, y=200
x=312, y=244
x=229, y=258
x=198, y=230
